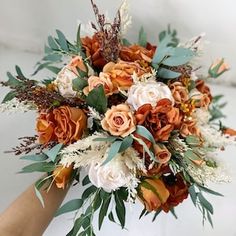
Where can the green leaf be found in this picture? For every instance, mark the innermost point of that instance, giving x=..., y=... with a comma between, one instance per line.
x=114, y=149
x=52, y=43
x=77, y=225
x=79, y=84
x=9, y=96
x=172, y=210
x=88, y=192
x=37, y=186
x=97, y=99
x=189, y=154
x=104, y=209
x=126, y=42
x=156, y=214
x=53, y=152
x=142, y=213
x=78, y=38
x=38, y=167
x=177, y=60
x=52, y=58
x=207, y=190
x=193, y=194
x=62, y=40
x=19, y=72
x=97, y=201
x=111, y=217
x=193, y=140
x=37, y=157
x=12, y=81
x=120, y=210
x=142, y=39
x=168, y=74
x=209, y=219
x=86, y=180
x=106, y=139
x=72, y=205
x=53, y=69
x=141, y=130
x=126, y=143
x=205, y=203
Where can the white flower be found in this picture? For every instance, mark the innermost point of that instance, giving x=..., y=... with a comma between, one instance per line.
x=110, y=176
x=148, y=93
x=64, y=82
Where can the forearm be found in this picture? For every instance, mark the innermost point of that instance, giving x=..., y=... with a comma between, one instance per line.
x=27, y=217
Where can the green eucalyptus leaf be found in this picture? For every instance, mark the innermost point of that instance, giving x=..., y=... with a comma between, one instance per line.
x=62, y=40
x=106, y=139
x=97, y=99
x=189, y=154
x=126, y=42
x=126, y=143
x=79, y=84
x=142, y=131
x=156, y=214
x=142, y=39
x=120, y=210
x=9, y=96
x=205, y=203
x=53, y=152
x=36, y=157
x=168, y=74
x=38, y=167
x=19, y=72
x=52, y=43
x=193, y=194
x=86, y=180
x=176, y=60
x=207, y=190
x=193, y=140
x=88, y=192
x=12, y=81
x=37, y=186
x=70, y=206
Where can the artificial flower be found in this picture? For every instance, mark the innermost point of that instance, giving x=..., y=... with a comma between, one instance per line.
x=148, y=93
x=119, y=121
x=62, y=175
x=162, y=153
x=217, y=68
x=189, y=127
x=179, y=92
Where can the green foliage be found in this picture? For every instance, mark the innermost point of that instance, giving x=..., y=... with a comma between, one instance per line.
x=216, y=108
x=9, y=96
x=53, y=152
x=37, y=157
x=120, y=209
x=79, y=84
x=125, y=42
x=97, y=99
x=142, y=38
x=142, y=131
x=37, y=187
x=44, y=167
x=173, y=33
x=86, y=181
x=167, y=74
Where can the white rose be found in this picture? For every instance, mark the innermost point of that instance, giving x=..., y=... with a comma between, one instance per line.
x=148, y=93
x=110, y=176
x=64, y=82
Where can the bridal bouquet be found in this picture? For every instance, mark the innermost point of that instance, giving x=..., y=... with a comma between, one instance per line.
x=137, y=118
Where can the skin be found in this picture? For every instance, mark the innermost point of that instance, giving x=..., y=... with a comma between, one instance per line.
x=26, y=216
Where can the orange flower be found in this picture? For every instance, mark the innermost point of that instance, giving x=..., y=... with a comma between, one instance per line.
x=218, y=68
x=104, y=80
x=64, y=124
x=189, y=127
x=92, y=49
x=70, y=124
x=178, y=190
x=161, y=120
x=229, y=131
x=137, y=53
x=204, y=89
x=77, y=62
x=119, y=121
x=153, y=194
x=45, y=127
x=121, y=73
x=162, y=154
x=62, y=175
x=179, y=92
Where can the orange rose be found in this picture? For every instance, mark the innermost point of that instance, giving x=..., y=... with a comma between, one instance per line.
x=137, y=53
x=77, y=62
x=119, y=121
x=95, y=81
x=218, y=68
x=70, y=124
x=92, y=49
x=62, y=175
x=178, y=190
x=45, y=127
x=161, y=120
x=189, y=127
x=179, y=92
x=153, y=194
x=203, y=88
x=162, y=154
x=121, y=73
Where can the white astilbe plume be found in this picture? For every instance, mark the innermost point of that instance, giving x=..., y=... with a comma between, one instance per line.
x=92, y=116
x=126, y=19
x=15, y=106
x=145, y=77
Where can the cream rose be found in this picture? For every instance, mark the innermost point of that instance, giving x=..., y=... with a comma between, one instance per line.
x=110, y=176
x=148, y=93
x=119, y=121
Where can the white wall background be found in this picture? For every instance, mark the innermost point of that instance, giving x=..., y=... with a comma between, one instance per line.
x=24, y=27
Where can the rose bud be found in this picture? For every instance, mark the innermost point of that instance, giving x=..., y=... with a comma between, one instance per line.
x=229, y=131
x=153, y=194
x=162, y=154
x=218, y=68
x=62, y=175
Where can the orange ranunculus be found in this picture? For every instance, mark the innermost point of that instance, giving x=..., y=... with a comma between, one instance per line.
x=45, y=127
x=179, y=92
x=62, y=175
x=153, y=199
x=119, y=121
x=104, y=80
x=203, y=88
x=92, y=49
x=229, y=131
x=137, y=53
x=189, y=127
x=121, y=73
x=162, y=153
x=70, y=124
x=178, y=190
x=161, y=120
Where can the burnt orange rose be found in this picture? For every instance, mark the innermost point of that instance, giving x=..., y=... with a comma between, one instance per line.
x=203, y=88
x=70, y=124
x=161, y=120
x=178, y=191
x=162, y=153
x=62, y=175
x=119, y=121
x=45, y=127
x=137, y=53
x=189, y=127
x=121, y=73
x=179, y=92
x=92, y=49
x=153, y=194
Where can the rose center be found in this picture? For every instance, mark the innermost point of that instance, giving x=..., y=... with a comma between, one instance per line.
x=118, y=120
